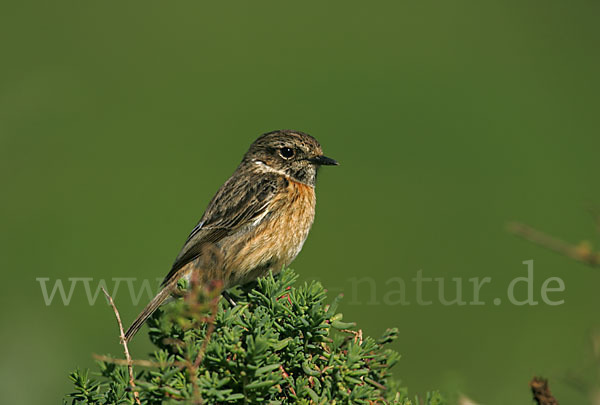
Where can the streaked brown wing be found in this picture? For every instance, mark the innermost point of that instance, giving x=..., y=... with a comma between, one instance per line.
x=239, y=202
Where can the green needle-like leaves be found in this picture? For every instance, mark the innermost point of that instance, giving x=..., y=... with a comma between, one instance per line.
x=281, y=344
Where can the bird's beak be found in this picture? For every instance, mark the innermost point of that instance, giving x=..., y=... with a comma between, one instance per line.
x=324, y=161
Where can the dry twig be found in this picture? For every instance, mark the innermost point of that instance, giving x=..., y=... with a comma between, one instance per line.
x=582, y=253
x=209, y=331
x=541, y=392
x=358, y=335
x=141, y=363
x=136, y=395
x=196, y=308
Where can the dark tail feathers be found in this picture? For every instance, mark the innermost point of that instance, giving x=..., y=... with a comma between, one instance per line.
x=149, y=310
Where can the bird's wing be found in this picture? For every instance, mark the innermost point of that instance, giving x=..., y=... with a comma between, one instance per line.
x=239, y=202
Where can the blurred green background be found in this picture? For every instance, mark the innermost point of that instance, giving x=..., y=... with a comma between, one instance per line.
x=119, y=121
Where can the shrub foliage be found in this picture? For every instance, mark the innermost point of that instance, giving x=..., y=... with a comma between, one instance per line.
x=280, y=344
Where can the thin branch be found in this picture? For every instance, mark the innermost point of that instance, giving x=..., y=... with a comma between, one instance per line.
x=209, y=331
x=141, y=363
x=136, y=395
x=581, y=253
x=541, y=392
x=196, y=308
x=358, y=335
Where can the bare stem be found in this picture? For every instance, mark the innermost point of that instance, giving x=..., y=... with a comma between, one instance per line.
x=141, y=363
x=136, y=395
x=209, y=331
x=580, y=253
x=541, y=392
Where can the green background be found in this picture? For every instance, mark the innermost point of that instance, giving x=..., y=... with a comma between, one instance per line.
x=119, y=121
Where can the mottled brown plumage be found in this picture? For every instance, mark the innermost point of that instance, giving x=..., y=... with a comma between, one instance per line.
x=257, y=221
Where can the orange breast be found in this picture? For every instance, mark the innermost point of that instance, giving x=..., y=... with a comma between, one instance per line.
x=277, y=239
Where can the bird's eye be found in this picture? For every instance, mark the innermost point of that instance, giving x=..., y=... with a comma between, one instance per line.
x=286, y=153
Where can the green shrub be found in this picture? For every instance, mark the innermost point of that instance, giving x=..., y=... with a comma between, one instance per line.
x=281, y=344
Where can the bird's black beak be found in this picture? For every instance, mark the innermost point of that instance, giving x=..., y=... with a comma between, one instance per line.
x=324, y=161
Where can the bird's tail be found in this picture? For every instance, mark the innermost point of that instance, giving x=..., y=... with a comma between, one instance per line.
x=148, y=311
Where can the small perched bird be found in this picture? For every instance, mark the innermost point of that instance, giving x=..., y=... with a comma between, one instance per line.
x=257, y=221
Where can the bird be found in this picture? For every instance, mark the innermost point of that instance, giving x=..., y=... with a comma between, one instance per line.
x=257, y=221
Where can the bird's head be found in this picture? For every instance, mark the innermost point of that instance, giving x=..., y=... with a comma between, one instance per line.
x=290, y=153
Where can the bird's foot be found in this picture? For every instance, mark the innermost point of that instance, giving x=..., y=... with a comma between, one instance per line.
x=229, y=299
